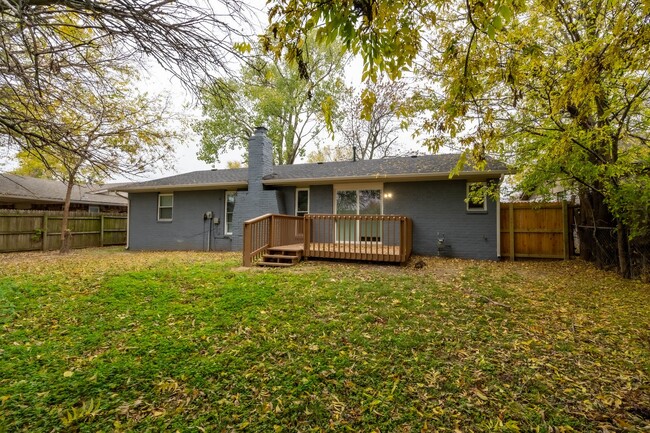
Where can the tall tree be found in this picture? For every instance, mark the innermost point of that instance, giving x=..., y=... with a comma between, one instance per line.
x=559, y=87
x=373, y=131
x=564, y=90
x=330, y=153
x=295, y=105
x=106, y=129
x=44, y=41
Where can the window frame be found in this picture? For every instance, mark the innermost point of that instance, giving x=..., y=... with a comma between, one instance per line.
x=358, y=187
x=228, y=226
x=160, y=195
x=298, y=190
x=483, y=208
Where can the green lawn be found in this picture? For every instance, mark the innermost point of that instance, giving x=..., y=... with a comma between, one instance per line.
x=107, y=340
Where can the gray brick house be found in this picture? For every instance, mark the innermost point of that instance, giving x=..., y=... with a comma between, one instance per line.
x=206, y=210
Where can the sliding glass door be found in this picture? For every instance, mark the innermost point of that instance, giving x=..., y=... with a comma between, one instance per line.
x=358, y=202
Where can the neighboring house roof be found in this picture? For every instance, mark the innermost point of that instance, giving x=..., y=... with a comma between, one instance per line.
x=31, y=189
x=427, y=167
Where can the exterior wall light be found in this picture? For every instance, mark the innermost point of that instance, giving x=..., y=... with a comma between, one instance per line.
x=388, y=195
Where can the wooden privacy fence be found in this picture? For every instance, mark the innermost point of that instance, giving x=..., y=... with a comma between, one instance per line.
x=34, y=231
x=536, y=230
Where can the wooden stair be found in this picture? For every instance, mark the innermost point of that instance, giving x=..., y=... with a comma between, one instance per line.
x=282, y=256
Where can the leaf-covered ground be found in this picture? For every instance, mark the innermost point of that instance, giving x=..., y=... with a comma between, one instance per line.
x=107, y=340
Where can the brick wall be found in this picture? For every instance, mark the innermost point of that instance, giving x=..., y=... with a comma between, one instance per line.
x=187, y=230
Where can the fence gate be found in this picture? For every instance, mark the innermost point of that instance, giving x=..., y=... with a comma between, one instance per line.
x=537, y=230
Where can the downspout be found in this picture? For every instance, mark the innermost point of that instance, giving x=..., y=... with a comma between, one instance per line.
x=499, y=219
x=128, y=220
x=209, y=220
x=128, y=216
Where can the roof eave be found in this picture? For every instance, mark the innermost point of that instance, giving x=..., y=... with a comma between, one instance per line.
x=406, y=177
x=186, y=187
x=55, y=200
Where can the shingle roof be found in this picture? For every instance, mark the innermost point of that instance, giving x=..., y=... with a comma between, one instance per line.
x=45, y=190
x=379, y=168
x=232, y=177
x=429, y=166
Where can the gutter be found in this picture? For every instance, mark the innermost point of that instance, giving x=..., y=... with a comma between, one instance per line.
x=183, y=187
x=319, y=181
x=384, y=177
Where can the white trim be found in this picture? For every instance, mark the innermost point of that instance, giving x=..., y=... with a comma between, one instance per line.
x=296, y=200
x=406, y=177
x=225, y=211
x=359, y=187
x=165, y=207
x=182, y=187
x=476, y=209
x=128, y=223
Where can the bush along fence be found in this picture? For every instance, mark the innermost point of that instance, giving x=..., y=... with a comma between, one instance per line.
x=603, y=242
x=41, y=230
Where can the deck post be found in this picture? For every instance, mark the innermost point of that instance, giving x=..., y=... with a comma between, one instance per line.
x=272, y=231
x=247, y=244
x=402, y=236
x=306, y=233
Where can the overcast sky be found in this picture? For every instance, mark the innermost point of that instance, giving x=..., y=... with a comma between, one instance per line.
x=156, y=80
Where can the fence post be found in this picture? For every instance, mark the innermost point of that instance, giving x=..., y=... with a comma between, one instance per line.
x=565, y=229
x=511, y=227
x=44, y=232
x=101, y=231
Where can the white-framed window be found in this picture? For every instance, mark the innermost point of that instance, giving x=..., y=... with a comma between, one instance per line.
x=93, y=209
x=230, y=210
x=302, y=201
x=165, y=207
x=476, y=197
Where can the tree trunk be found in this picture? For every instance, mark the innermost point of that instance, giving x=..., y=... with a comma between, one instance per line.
x=597, y=243
x=65, y=231
x=623, y=256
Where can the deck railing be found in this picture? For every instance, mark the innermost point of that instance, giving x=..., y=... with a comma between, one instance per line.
x=382, y=238
x=268, y=231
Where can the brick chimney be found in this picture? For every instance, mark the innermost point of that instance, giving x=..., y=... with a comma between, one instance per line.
x=260, y=158
x=256, y=200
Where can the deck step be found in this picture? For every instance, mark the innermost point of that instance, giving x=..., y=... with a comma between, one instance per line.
x=284, y=250
x=275, y=264
x=271, y=257
x=282, y=256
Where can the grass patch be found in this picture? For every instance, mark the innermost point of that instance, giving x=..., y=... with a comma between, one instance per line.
x=106, y=340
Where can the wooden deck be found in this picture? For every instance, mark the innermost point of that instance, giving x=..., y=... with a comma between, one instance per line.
x=373, y=251
x=349, y=251
x=376, y=238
